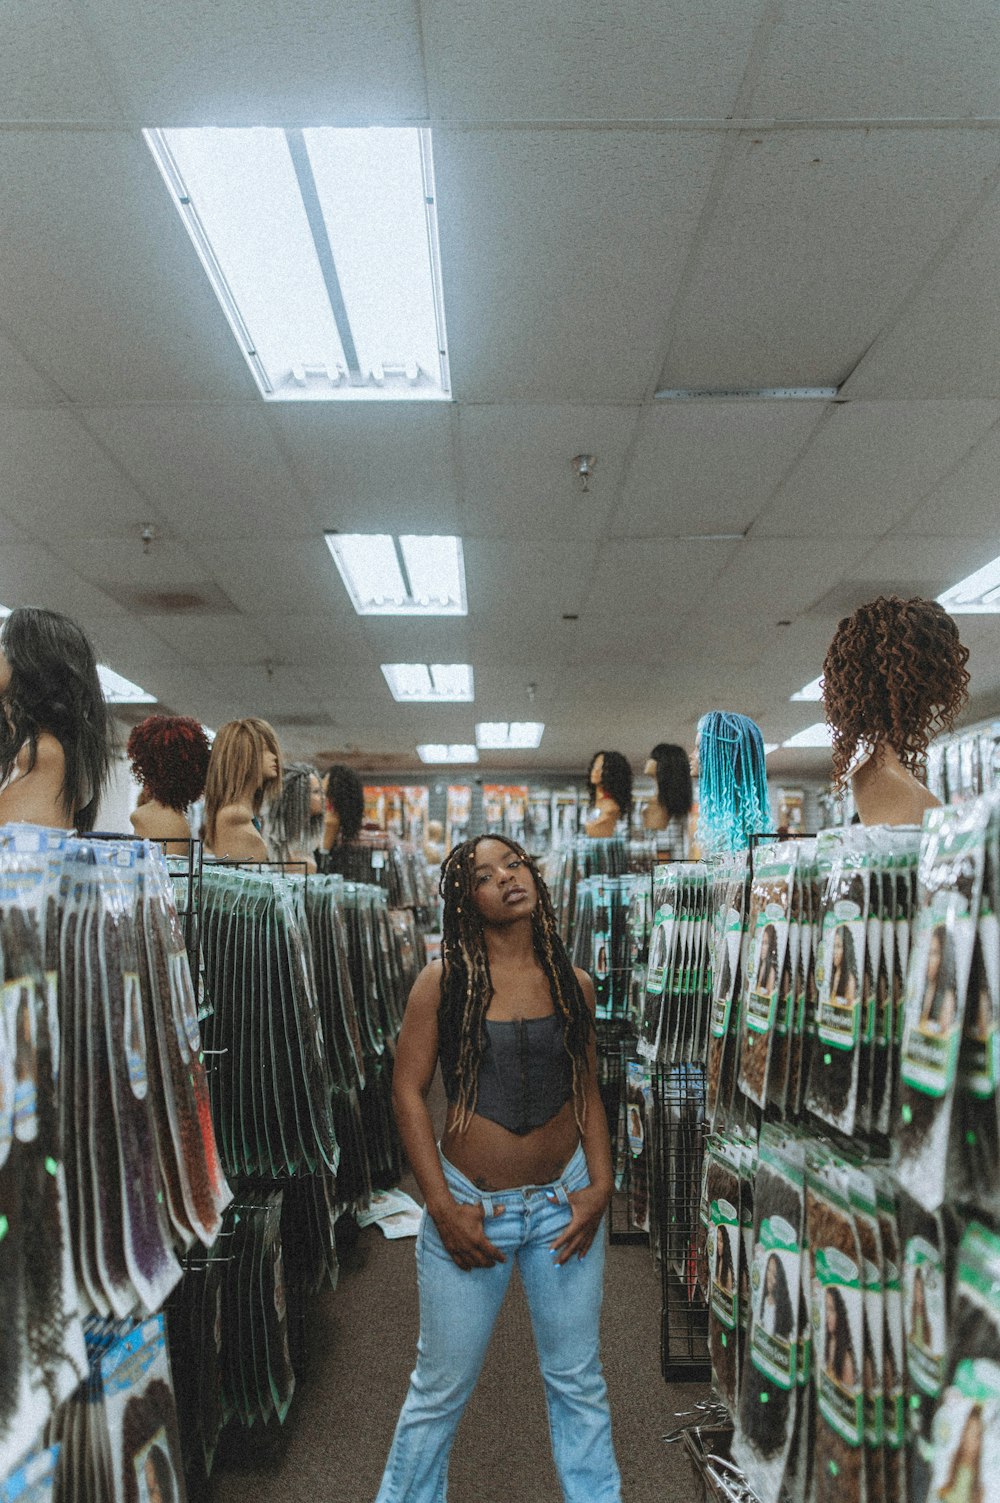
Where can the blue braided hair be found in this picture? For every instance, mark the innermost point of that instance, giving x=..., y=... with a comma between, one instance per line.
x=732, y=782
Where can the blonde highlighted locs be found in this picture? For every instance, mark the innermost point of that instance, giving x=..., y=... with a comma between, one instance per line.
x=894, y=674
x=467, y=986
x=237, y=761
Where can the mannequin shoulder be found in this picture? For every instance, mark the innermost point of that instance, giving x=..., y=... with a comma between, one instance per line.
x=236, y=836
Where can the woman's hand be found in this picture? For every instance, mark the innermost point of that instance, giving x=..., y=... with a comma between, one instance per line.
x=462, y=1230
x=587, y=1206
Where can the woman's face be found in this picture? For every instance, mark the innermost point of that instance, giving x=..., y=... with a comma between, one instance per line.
x=5, y=672
x=269, y=764
x=597, y=771
x=771, y=1277
x=934, y=953
x=838, y=947
x=503, y=887
x=831, y=1313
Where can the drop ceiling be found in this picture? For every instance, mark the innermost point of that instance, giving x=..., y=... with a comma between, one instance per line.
x=630, y=198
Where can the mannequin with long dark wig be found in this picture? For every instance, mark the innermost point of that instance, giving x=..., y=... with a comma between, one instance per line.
x=522, y=1173
x=55, y=732
x=169, y=756
x=345, y=805
x=667, y=814
x=609, y=780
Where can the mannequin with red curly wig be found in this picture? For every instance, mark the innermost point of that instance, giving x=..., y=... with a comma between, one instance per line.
x=894, y=677
x=169, y=757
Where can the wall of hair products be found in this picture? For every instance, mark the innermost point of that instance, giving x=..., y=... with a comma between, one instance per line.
x=847, y=1239
x=213, y=1150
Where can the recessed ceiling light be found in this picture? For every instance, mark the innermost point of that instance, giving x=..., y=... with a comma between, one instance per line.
x=405, y=576
x=747, y=394
x=322, y=247
x=424, y=683
x=121, y=691
x=513, y=735
x=818, y=734
x=454, y=752
x=978, y=595
x=811, y=691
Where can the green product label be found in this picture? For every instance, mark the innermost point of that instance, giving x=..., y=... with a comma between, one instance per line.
x=929, y=1059
x=760, y=1010
x=838, y=1022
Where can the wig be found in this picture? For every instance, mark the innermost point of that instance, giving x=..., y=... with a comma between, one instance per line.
x=894, y=673
x=839, y=1348
x=732, y=784
x=345, y=796
x=467, y=986
x=616, y=780
x=673, y=779
x=783, y=1321
x=293, y=826
x=236, y=763
x=54, y=688
x=169, y=756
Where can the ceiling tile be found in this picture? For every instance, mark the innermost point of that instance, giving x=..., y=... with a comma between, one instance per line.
x=561, y=252
x=815, y=238
x=211, y=641
x=966, y=498
x=710, y=467
x=501, y=575
x=870, y=463
x=664, y=576
x=31, y=575
x=544, y=60
x=108, y=562
x=296, y=575
x=56, y=482
x=517, y=474
x=21, y=385
x=49, y=69
x=247, y=62
x=881, y=59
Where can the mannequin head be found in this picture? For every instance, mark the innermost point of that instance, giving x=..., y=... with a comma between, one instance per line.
x=732, y=782
x=297, y=812
x=610, y=773
x=894, y=675
x=245, y=765
x=49, y=684
x=671, y=767
x=345, y=804
x=169, y=756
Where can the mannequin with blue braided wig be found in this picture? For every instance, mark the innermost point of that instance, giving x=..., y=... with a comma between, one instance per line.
x=732, y=783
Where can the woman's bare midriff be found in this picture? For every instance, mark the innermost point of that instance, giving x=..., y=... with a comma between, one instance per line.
x=495, y=1159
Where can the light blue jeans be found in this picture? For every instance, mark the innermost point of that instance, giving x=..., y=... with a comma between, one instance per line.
x=457, y=1313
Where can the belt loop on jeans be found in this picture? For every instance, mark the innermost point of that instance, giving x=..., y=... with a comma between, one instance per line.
x=487, y=1203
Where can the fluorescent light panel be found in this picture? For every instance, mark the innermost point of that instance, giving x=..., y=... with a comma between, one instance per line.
x=413, y=683
x=322, y=248
x=454, y=753
x=121, y=691
x=977, y=595
x=512, y=735
x=818, y=734
x=811, y=691
x=408, y=576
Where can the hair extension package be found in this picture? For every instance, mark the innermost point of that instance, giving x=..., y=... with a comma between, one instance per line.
x=768, y=925
x=769, y=1392
x=926, y=1240
x=974, y=1160
x=141, y=1417
x=729, y=901
x=722, y=1180
x=832, y=1093
x=33, y=1480
x=662, y=943
x=966, y=1436
x=838, y=1325
x=952, y=862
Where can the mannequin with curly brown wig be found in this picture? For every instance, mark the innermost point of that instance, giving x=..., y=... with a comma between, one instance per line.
x=894, y=677
x=610, y=779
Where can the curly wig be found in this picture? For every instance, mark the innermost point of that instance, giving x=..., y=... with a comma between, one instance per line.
x=169, y=757
x=54, y=687
x=616, y=780
x=673, y=779
x=345, y=796
x=467, y=986
x=894, y=673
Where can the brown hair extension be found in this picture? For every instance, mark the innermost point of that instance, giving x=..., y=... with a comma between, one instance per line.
x=895, y=673
x=237, y=759
x=467, y=987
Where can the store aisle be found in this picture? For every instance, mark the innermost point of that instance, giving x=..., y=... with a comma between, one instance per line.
x=362, y=1340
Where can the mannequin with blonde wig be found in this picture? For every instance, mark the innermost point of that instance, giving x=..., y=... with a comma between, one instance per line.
x=244, y=772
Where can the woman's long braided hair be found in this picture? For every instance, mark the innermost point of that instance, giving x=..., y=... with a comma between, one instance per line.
x=467, y=987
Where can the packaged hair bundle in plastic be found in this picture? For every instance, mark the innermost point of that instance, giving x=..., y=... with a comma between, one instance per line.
x=838, y=1321
x=966, y=1433
x=832, y=1093
x=33, y=1480
x=769, y=1391
x=893, y=1359
x=952, y=862
x=926, y=1243
x=722, y=1179
x=864, y=1207
x=768, y=925
x=729, y=909
x=973, y=1174
x=141, y=1418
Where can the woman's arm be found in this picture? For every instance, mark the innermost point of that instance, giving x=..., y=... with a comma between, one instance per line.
x=589, y=1205
x=236, y=835
x=459, y=1226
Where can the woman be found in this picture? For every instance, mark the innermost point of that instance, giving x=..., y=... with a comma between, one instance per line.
x=169, y=756
x=839, y=1357
x=243, y=770
x=940, y=1001
x=775, y=1304
x=523, y=1173
x=964, y=1483
x=55, y=736
x=843, y=966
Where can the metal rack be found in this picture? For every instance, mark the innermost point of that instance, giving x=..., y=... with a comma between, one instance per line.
x=679, y=1133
